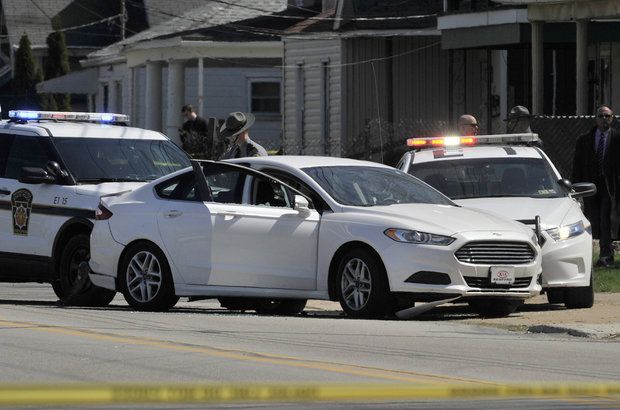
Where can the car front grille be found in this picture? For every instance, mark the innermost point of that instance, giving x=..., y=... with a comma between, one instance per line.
x=485, y=283
x=496, y=253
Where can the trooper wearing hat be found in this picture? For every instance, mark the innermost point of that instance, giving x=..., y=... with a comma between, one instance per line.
x=236, y=129
x=518, y=121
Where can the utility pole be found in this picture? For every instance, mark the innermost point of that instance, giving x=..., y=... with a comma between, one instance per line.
x=123, y=19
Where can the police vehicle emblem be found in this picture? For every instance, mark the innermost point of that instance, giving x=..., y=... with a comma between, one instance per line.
x=21, y=205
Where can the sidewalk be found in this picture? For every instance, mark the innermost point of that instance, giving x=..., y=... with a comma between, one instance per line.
x=602, y=321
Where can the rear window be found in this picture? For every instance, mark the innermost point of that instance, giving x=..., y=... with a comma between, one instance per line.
x=114, y=159
x=490, y=177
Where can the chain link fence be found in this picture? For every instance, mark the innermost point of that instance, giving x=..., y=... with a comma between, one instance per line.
x=386, y=142
x=559, y=136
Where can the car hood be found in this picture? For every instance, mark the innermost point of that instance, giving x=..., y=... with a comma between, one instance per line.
x=440, y=219
x=107, y=188
x=552, y=211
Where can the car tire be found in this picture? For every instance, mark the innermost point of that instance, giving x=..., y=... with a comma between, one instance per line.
x=145, y=278
x=280, y=306
x=555, y=295
x=580, y=298
x=57, y=287
x=492, y=307
x=362, y=286
x=73, y=289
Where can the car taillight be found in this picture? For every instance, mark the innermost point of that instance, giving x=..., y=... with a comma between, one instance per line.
x=102, y=213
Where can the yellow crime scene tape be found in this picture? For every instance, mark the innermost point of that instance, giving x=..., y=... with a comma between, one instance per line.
x=29, y=395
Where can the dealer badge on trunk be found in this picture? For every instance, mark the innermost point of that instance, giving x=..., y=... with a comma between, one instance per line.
x=21, y=205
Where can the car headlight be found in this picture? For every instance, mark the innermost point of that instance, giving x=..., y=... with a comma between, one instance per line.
x=567, y=231
x=424, y=238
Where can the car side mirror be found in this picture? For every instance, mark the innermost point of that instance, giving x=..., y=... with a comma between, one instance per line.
x=583, y=190
x=302, y=206
x=565, y=183
x=54, y=169
x=30, y=175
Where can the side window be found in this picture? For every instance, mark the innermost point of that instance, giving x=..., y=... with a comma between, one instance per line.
x=27, y=152
x=317, y=202
x=181, y=188
x=268, y=192
x=5, y=145
x=226, y=183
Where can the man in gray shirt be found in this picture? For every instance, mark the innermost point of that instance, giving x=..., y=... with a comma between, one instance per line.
x=236, y=128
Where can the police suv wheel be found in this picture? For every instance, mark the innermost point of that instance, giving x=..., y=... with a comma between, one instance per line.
x=362, y=286
x=74, y=286
x=145, y=278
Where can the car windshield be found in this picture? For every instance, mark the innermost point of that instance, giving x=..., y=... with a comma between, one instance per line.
x=371, y=186
x=116, y=160
x=490, y=177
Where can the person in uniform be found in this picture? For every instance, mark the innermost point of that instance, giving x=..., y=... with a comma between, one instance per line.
x=518, y=121
x=236, y=130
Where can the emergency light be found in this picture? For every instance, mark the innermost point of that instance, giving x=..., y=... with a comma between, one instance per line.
x=476, y=140
x=68, y=116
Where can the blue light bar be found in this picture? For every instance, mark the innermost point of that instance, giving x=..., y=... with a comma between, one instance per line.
x=68, y=116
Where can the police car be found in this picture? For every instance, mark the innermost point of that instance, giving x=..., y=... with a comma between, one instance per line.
x=511, y=176
x=54, y=167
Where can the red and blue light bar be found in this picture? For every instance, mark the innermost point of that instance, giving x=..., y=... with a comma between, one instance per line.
x=68, y=116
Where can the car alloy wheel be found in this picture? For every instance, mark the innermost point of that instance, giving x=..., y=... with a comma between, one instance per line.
x=356, y=284
x=362, y=286
x=143, y=276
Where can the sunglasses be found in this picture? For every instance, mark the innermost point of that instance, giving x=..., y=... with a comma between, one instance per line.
x=604, y=116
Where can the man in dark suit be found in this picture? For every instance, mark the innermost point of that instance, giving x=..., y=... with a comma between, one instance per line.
x=596, y=157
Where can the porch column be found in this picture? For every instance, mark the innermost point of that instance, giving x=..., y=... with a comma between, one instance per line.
x=201, y=97
x=581, y=88
x=537, y=67
x=176, y=95
x=153, y=103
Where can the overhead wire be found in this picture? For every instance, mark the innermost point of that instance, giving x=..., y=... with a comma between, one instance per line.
x=310, y=66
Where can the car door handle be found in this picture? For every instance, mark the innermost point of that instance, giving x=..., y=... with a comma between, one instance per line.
x=4, y=192
x=173, y=213
x=228, y=213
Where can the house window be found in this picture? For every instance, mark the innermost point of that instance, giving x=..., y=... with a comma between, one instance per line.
x=265, y=96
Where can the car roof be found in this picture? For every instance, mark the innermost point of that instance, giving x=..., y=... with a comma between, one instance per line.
x=303, y=161
x=483, y=151
x=73, y=129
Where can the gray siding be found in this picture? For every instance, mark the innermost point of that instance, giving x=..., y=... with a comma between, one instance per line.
x=316, y=58
x=469, y=79
x=227, y=90
x=395, y=87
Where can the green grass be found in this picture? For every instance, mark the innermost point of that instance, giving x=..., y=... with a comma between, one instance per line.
x=606, y=279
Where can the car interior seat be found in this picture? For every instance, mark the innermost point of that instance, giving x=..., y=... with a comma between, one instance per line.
x=513, y=181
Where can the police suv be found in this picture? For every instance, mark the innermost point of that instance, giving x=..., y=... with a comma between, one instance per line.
x=54, y=167
x=511, y=176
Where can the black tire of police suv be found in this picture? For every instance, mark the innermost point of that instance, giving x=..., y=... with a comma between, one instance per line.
x=73, y=290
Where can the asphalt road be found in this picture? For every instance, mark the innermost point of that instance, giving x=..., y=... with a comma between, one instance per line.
x=41, y=342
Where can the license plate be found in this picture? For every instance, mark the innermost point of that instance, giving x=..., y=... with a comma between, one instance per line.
x=502, y=275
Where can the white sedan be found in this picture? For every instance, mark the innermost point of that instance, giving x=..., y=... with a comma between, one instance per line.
x=291, y=228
